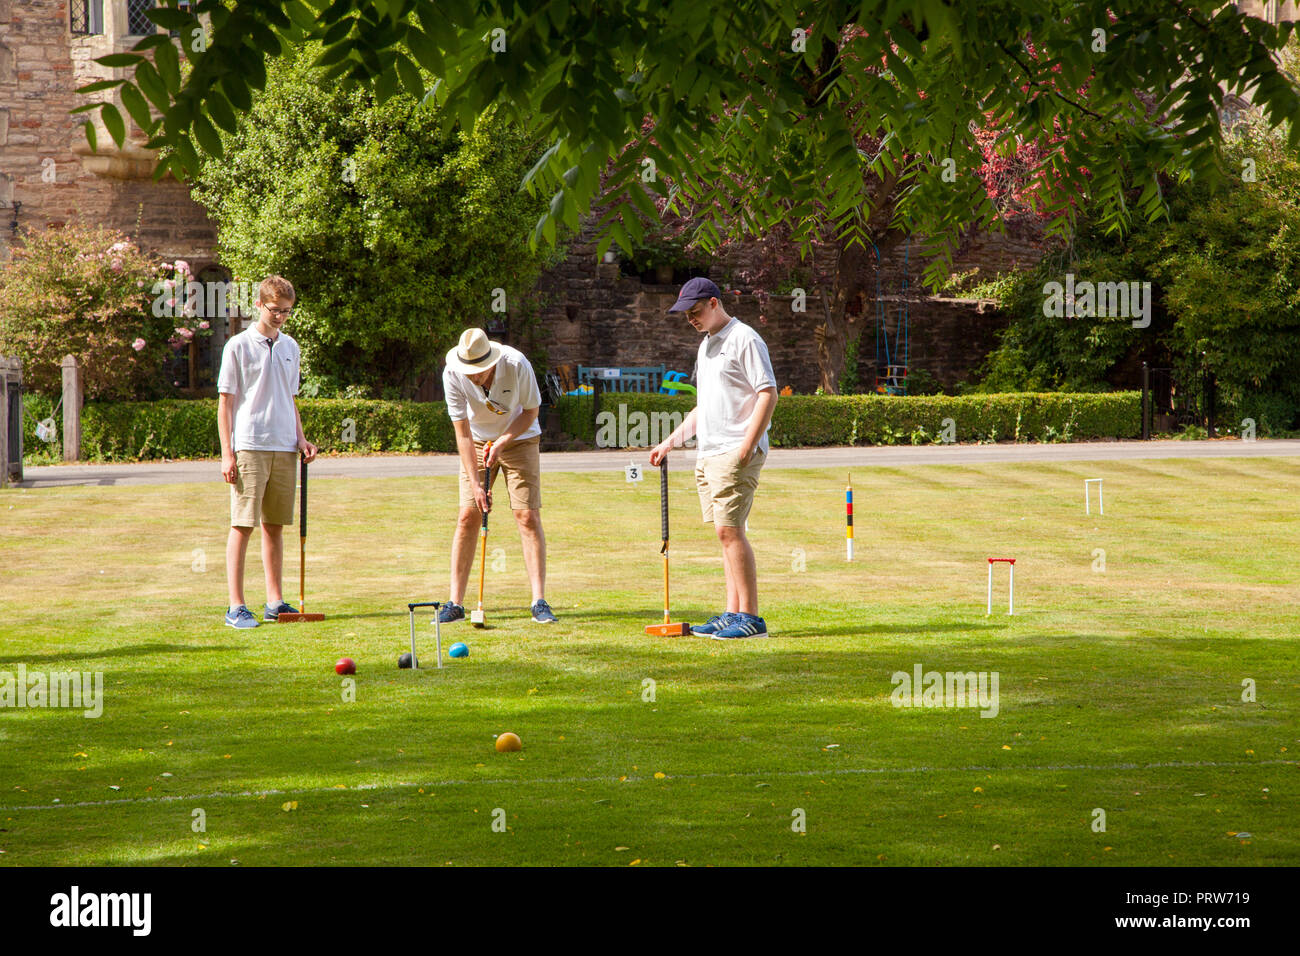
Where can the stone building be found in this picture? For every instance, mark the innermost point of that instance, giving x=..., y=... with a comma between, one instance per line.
x=48, y=174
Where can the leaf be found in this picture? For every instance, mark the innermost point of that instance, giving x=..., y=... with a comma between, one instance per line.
x=236, y=89
x=425, y=51
x=186, y=157
x=100, y=85
x=169, y=18
x=136, y=105
x=152, y=86
x=169, y=68
x=207, y=136
x=113, y=122
x=119, y=59
x=410, y=75
x=220, y=111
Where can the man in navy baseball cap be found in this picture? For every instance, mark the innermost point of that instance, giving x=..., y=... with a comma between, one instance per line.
x=737, y=394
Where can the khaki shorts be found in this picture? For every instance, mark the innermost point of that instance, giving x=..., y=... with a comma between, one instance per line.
x=263, y=488
x=726, y=488
x=520, y=464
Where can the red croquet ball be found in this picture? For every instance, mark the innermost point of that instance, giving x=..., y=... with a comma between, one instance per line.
x=346, y=665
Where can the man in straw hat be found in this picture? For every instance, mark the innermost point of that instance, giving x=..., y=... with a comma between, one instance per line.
x=737, y=393
x=492, y=396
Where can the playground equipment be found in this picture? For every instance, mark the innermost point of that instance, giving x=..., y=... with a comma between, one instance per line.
x=892, y=361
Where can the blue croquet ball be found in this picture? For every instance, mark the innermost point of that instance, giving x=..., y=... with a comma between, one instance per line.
x=459, y=649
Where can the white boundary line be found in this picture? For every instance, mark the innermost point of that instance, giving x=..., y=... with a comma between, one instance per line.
x=850, y=771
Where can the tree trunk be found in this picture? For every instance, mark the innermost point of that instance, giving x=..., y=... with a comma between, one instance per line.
x=833, y=333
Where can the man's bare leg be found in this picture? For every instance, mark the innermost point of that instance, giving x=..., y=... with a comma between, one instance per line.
x=236, y=550
x=533, y=539
x=741, y=572
x=273, y=562
x=463, y=545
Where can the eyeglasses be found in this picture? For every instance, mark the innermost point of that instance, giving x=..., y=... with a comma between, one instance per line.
x=283, y=312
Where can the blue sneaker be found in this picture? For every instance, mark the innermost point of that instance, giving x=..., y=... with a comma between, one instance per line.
x=273, y=613
x=742, y=625
x=713, y=624
x=451, y=611
x=542, y=613
x=240, y=617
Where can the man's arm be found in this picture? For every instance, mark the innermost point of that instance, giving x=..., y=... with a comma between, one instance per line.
x=469, y=462
x=307, y=448
x=225, y=427
x=522, y=421
x=681, y=434
x=758, y=423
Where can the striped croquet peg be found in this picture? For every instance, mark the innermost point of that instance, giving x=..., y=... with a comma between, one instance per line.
x=848, y=520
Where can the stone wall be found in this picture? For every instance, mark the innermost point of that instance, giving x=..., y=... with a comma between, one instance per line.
x=596, y=315
x=45, y=161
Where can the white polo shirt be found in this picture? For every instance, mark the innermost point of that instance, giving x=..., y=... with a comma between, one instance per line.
x=489, y=412
x=732, y=368
x=262, y=374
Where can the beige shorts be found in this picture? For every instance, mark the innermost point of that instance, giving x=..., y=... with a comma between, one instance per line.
x=263, y=488
x=726, y=488
x=521, y=466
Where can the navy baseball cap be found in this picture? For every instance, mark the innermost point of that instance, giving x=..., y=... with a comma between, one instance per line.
x=695, y=290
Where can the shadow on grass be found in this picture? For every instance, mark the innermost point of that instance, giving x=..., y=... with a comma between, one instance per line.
x=134, y=650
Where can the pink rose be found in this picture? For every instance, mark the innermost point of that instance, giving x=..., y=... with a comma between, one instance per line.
x=182, y=266
x=204, y=325
x=138, y=344
x=117, y=265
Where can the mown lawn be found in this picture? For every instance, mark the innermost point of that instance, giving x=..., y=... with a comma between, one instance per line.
x=1119, y=689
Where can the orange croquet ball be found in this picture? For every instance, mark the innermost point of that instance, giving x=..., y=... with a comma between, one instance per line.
x=508, y=742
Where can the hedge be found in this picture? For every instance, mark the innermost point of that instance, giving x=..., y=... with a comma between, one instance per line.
x=804, y=420
x=135, y=431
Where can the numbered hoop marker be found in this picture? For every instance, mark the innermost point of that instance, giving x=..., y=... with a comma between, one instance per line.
x=633, y=472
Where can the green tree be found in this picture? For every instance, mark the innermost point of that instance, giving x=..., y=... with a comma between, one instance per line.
x=395, y=231
x=683, y=98
x=1225, y=297
x=841, y=122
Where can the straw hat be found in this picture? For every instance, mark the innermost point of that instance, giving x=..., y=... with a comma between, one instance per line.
x=474, y=353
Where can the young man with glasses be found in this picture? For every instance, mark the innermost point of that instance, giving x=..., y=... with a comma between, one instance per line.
x=736, y=396
x=261, y=438
x=492, y=396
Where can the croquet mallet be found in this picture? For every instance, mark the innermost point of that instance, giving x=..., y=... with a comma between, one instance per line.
x=301, y=614
x=476, y=616
x=667, y=628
